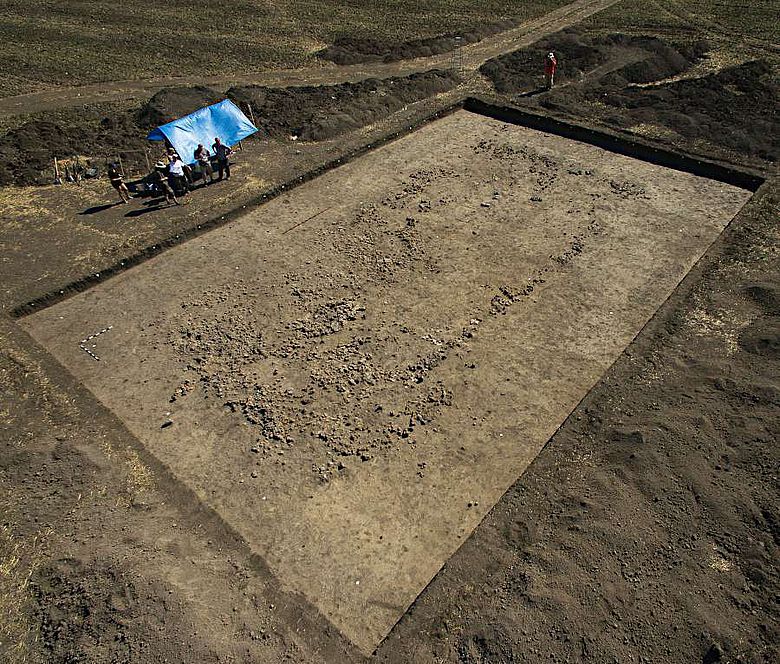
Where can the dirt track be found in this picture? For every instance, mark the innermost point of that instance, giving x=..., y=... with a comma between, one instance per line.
x=474, y=55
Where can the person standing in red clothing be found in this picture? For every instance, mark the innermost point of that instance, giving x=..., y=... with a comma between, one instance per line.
x=550, y=65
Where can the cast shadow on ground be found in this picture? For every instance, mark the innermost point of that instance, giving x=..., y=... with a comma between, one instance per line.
x=151, y=205
x=532, y=93
x=99, y=208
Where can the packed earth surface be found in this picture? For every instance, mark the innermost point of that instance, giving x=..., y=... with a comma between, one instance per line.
x=415, y=384
x=307, y=369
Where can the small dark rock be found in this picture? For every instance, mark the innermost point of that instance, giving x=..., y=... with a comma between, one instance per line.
x=713, y=655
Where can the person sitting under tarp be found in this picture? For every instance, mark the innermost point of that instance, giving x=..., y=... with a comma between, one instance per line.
x=223, y=124
x=186, y=168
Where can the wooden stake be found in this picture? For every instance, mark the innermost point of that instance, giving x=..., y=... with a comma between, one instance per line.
x=121, y=168
x=146, y=156
x=57, y=172
x=251, y=114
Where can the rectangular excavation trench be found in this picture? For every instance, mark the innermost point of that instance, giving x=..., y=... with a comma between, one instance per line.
x=354, y=393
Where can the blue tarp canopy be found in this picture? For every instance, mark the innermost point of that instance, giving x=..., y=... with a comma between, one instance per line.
x=224, y=120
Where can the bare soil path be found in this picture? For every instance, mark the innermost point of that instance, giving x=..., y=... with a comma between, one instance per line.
x=474, y=56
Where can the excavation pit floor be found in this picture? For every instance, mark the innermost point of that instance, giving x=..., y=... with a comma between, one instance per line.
x=352, y=374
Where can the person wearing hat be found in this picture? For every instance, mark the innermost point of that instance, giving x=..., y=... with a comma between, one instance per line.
x=117, y=182
x=158, y=178
x=550, y=65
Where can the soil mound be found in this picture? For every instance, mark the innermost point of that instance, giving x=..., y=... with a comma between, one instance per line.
x=352, y=50
x=762, y=338
x=637, y=59
x=317, y=113
x=311, y=113
x=523, y=69
x=28, y=151
x=766, y=296
x=171, y=103
x=734, y=108
x=85, y=611
x=659, y=60
x=620, y=80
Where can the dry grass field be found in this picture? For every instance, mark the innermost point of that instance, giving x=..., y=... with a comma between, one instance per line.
x=45, y=43
x=757, y=18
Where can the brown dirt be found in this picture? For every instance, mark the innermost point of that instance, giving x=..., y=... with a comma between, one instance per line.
x=733, y=109
x=354, y=50
x=45, y=45
x=311, y=113
x=645, y=531
x=579, y=53
x=170, y=103
x=316, y=113
x=646, y=85
x=27, y=152
x=106, y=561
x=473, y=56
x=297, y=385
